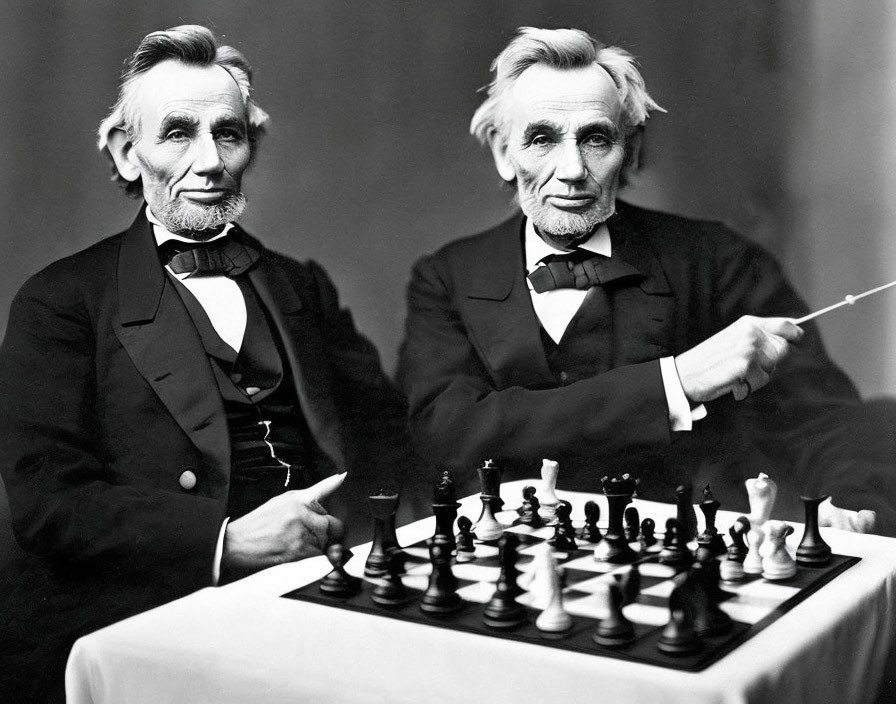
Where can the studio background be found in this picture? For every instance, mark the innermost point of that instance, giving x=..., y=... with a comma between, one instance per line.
x=780, y=118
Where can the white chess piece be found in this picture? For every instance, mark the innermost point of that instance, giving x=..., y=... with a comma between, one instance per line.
x=762, y=492
x=753, y=560
x=731, y=570
x=778, y=563
x=554, y=618
x=548, y=498
x=535, y=578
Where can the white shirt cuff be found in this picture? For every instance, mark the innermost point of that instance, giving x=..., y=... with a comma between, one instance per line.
x=681, y=415
x=219, y=553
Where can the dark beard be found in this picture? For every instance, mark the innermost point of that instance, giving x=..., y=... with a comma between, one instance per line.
x=198, y=221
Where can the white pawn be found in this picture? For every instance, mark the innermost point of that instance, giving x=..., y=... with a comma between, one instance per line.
x=548, y=498
x=753, y=560
x=554, y=618
x=778, y=562
x=731, y=570
x=762, y=493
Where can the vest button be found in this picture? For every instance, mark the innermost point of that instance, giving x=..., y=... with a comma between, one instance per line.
x=564, y=377
x=187, y=480
x=236, y=377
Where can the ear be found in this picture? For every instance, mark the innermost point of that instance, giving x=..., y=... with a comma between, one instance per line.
x=498, y=145
x=121, y=149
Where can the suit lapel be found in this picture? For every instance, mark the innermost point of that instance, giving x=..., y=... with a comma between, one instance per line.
x=503, y=323
x=306, y=354
x=155, y=329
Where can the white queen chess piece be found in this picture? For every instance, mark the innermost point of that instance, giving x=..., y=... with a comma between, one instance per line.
x=549, y=499
x=762, y=492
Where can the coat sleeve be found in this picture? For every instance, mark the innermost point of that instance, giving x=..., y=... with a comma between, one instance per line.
x=67, y=503
x=808, y=418
x=460, y=416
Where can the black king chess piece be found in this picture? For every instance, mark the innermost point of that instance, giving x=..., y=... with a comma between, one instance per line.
x=444, y=507
x=812, y=549
x=382, y=507
x=619, y=492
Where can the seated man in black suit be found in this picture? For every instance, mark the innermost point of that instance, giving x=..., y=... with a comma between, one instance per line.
x=613, y=338
x=176, y=401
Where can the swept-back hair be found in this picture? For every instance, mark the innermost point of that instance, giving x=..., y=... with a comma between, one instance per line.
x=190, y=44
x=561, y=48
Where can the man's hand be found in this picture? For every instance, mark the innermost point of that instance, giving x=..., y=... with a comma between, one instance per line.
x=830, y=516
x=740, y=359
x=289, y=527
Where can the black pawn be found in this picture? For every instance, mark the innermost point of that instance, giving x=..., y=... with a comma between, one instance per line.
x=339, y=583
x=678, y=636
x=591, y=533
x=812, y=549
x=614, y=631
x=528, y=511
x=632, y=524
x=647, y=538
x=686, y=516
x=630, y=584
x=441, y=595
x=502, y=611
x=564, y=538
x=675, y=551
x=390, y=590
x=465, y=536
x=738, y=549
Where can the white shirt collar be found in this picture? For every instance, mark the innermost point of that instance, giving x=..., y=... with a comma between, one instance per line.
x=537, y=249
x=162, y=235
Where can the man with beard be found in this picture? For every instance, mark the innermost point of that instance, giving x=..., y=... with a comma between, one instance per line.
x=175, y=400
x=613, y=338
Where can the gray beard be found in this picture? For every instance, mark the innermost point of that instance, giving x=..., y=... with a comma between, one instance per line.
x=201, y=222
x=561, y=227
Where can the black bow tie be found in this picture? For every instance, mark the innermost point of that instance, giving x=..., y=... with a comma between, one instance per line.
x=226, y=256
x=579, y=269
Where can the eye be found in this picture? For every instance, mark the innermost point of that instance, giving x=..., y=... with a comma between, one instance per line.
x=176, y=135
x=228, y=134
x=597, y=139
x=539, y=140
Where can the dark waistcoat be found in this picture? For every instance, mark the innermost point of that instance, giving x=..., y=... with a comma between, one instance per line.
x=271, y=447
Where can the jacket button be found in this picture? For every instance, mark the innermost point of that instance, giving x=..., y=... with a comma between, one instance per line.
x=187, y=480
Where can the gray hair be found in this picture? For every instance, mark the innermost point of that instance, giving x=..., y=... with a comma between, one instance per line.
x=190, y=44
x=562, y=48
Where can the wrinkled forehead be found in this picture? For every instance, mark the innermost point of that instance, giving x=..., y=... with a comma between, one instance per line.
x=204, y=93
x=584, y=93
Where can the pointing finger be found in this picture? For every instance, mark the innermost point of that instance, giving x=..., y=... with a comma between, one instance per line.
x=323, y=488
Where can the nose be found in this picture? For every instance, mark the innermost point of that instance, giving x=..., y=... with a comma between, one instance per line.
x=570, y=164
x=207, y=159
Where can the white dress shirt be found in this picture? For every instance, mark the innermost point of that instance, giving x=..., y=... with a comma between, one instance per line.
x=556, y=309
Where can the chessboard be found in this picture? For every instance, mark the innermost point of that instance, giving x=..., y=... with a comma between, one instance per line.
x=753, y=603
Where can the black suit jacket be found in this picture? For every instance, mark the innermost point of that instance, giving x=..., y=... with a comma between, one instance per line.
x=475, y=371
x=107, y=396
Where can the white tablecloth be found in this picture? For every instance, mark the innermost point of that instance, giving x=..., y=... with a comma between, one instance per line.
x=243, y=643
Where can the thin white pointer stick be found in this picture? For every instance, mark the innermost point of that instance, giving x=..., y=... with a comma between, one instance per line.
x=849, y=300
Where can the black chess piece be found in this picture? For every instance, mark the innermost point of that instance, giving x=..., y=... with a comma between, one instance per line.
x=487, y=526
x=632, y=524
x=444, y=506
x=339, y=583
x=619, y=491
x=590, y=532
x=647, y=538
x=738, y=549
x=528, y=511
x=675, y=551
x=812, y=549
x=710, y=538
x=390, y=590
x=441, y=595
x=709, y=619
x=678, y=636
x=466, y=548
x=564, y=538
x=614, y=631
x=502, y=611
x=630, y=584
x=686, y=516
x=385, y=542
